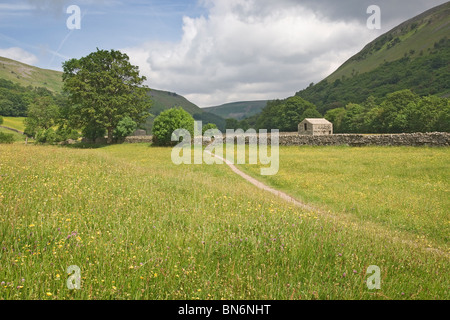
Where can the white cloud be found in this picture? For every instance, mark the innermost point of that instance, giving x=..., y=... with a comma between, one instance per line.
x=14, y=7
x=245, y=50
x=20, y=55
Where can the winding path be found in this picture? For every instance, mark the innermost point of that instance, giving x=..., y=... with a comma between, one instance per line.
x=263, y=186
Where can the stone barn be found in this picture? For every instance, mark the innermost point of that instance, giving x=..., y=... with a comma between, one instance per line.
x=139, y=133
x=315, y=127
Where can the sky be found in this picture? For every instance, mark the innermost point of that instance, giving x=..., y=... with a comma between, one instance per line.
x=210, y=51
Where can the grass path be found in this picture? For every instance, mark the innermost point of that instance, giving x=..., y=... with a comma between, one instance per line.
x=265, y=187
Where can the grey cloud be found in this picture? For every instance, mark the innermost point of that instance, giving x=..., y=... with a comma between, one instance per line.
x=264, y=49
x=393, y=12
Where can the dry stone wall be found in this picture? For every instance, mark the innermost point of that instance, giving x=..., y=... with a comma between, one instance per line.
x=139, y=139
x=434, y=139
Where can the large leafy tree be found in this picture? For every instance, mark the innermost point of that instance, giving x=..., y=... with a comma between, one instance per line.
x=104, y=88
x=294, y=111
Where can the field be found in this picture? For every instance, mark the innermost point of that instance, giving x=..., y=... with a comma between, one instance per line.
x=403, y=189
x=140, y=227
x=14, y=123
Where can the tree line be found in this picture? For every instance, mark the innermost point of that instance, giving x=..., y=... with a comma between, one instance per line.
x=400, y=111
x=15, y=99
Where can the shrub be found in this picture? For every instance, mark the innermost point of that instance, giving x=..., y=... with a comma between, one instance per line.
x=207, y=127
x=6, y=138
x=169, y=121
x=46, y=136
x=1, y=120
x=124, y=128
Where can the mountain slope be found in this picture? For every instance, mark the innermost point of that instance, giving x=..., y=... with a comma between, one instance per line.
x=413, y=38
x=163, y=100
x=238, y=110
x=27, y=75
x=415, y=55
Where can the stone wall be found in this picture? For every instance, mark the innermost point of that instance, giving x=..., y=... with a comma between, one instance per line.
x=11, y=129
x=435, y=139
x=139, y=139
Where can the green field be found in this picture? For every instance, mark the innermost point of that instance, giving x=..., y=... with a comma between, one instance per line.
x=140, y=227
x=14, y=123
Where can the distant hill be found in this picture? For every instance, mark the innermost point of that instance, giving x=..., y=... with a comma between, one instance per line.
x=238, y=110
x=414, y=55
x=163, y=100
x=26, y=75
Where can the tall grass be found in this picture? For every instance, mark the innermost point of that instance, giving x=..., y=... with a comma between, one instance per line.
x=401, y=188
x=140, y=227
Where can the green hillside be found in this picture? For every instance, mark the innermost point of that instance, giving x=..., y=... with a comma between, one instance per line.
x=27, y=75
x=415, y=55
x=413, y=38
x=238, y=110
x=163, y=100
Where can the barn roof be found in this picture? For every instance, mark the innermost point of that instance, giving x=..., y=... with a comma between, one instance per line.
x=317, y=121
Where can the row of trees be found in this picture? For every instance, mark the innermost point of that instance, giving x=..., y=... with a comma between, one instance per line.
x=15, y=99
x=284, y=115
x=401, y=111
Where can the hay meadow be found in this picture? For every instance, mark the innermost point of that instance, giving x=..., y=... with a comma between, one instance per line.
x=140, y=227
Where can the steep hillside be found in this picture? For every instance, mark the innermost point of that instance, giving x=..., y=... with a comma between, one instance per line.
x=413, y=38
x=415, y=55
x=238, y=110
x=27, y=75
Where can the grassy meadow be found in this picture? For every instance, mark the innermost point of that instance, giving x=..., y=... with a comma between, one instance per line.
x=401, y=188
x=140, y=227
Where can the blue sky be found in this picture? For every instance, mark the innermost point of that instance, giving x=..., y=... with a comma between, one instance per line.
x=39, y=27
x=210, y=51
